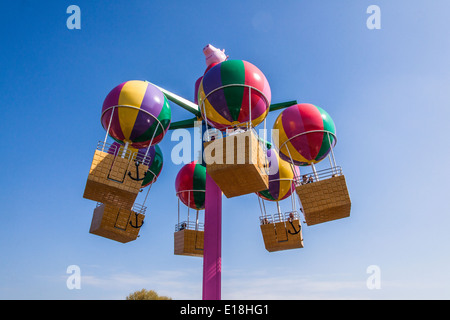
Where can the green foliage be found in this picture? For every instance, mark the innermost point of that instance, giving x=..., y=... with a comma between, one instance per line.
x=146, y=295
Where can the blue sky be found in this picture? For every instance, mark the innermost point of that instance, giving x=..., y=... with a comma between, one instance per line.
x=387, y=91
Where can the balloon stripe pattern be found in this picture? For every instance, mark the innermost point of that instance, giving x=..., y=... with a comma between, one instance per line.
x=227, y=106
x=141, y=113
x=304, y=134
x=154, y=161
x=192, y=176
x=281, y=178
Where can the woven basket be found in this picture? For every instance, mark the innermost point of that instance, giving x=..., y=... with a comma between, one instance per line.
x=325, y=200
x=114, y=223
x=189, y=243
x=240, y=166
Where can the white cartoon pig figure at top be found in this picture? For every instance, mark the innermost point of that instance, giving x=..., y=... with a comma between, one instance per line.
x=214, y=55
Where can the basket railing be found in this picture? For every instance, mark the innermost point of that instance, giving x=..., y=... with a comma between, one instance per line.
x=275, y=218
x=318, y=175
x=127, y=153
x=137, y=208
x=189, y=225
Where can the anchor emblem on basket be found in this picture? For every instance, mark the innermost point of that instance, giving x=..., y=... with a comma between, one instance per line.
x=136, y=226
x=137, y=163
x=293, y=227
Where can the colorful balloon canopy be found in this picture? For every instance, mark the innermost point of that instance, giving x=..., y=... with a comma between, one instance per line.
x=153, y=159
x=224, y=90
x=306, y=134
x=190, y=185
x=281, y=178
x=141, y=115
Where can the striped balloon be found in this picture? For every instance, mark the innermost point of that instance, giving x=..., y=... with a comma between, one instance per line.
x=141, y=116
x=228, y=106
x=306, y=134
x=154, y=160
x=281, y=178
x=190, y=185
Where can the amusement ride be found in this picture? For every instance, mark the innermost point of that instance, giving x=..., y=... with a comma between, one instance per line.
x=231, y=99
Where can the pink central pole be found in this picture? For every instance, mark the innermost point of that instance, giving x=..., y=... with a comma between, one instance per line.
x=212, y=248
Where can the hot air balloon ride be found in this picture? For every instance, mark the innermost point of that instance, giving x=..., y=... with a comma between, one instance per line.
x=137, y=115
x=120, y=223
x=234, y=97
x=280, y=231
x=307, y=135
x=190, y=186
